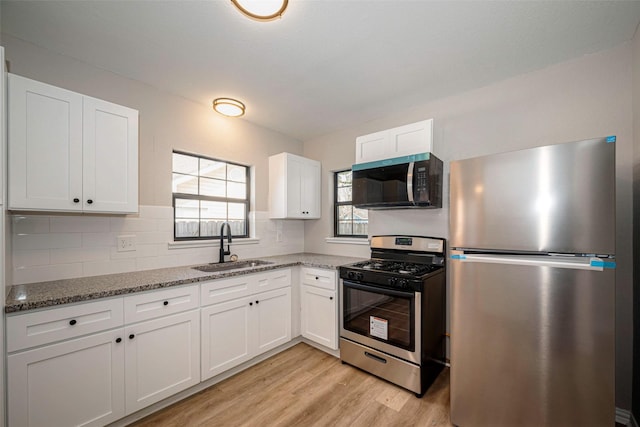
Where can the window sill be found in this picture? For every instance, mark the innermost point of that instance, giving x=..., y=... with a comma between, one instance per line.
x=189, y=244
x=348, y=240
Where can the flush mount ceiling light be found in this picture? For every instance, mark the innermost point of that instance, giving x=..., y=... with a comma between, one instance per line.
x=228, y=107
x=261, y=10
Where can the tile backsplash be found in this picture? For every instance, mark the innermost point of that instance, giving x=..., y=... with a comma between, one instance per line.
x=51, y=247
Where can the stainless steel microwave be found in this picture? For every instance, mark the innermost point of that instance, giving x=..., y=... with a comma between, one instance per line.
x=413, y=181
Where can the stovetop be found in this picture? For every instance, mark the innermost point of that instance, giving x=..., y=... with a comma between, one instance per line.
x=397, y=267
x=401, y=275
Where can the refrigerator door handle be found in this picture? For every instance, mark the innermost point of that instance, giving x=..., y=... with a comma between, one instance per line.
x=577, y=263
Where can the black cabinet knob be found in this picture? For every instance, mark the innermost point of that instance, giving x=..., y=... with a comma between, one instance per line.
x=89, y=201
x=118, y=340
x=257, y=302
x=331, y=298
x=166, y=303
x=316, y=277
x=250, y=303
x=72, y=322
x=132, y=336
x=76, y=200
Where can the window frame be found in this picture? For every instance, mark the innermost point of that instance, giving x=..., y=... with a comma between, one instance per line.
x=246, y=201
x=336, y=208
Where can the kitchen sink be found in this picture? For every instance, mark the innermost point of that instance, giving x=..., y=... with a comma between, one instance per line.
x=232, y=265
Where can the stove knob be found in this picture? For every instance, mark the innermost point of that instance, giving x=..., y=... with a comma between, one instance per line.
x=351, y=275
x=359, y=276
x=402, y=283
x=392, y=281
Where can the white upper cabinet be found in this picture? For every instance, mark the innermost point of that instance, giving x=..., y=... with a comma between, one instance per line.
x=70, y=152
x=294, y=187
x=401, y=141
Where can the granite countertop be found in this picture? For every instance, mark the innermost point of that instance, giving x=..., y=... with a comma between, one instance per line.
x=47, y=294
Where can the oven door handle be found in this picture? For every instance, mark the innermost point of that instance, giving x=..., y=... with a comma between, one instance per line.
x=386, y=291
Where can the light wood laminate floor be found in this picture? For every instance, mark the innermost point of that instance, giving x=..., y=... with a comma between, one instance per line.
x=303, y=386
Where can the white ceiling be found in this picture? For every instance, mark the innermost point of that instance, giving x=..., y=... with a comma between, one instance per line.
x=325, y=65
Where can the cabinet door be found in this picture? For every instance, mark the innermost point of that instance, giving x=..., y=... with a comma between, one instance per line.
x=295, y=168
x=226, y=336
x=319, y=316
x=45, y=146
x=110, y=157
x=372, y=147
x=162, y=358
x=310, y=190
x=410, y=139
x=74, y=383
x=272, y=314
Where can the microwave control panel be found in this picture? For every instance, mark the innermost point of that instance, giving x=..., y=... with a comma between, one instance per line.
x=421, y=184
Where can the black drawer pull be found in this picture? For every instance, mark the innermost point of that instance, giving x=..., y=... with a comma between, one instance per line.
x=374, y=357
x=76, y=200
x=89, y=201
x=132, y=336
x=166, y=303
x=72, y=322
x=118, y=340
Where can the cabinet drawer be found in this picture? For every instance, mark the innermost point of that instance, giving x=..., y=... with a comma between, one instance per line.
x=160, y=303
x=320, y=278
x=44, y=327
x=226, y=289
x=274, y=279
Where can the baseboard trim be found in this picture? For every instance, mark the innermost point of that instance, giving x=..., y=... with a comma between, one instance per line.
x=624, y=417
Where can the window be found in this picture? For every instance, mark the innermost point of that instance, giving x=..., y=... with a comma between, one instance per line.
x=206, y=193
x=348, y=220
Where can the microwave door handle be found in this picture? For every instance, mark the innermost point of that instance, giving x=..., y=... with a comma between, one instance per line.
x=410, y=183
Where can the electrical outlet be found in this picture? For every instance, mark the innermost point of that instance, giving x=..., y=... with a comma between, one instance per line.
x=126, y=243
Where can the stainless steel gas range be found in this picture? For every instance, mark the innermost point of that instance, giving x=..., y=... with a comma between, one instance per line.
x=392, y=317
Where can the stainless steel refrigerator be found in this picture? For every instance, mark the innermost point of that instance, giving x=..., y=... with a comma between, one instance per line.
x=533, y=283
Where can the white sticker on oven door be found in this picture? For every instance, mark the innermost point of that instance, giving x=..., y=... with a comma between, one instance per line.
x=378, y=327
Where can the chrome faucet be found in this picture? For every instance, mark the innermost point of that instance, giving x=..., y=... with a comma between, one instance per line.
x=222, y=251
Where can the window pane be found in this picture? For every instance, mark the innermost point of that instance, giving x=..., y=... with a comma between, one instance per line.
x=186, y=228
x=238, y=227
x=344, y=179
x=187, y=208
x=213, y=169
x=215, y=210
x=236, y=190
x=344, y=194
x=360, y=228
x=210, y=228
x=344, y=227
x=212, y=187
x=236, y=173
x=360, y=214
x=344, y=212
x=185, y=184
x=236, y=211
x=185, y=164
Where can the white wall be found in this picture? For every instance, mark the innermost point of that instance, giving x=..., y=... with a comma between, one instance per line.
x=578, y=99
x=56, y=247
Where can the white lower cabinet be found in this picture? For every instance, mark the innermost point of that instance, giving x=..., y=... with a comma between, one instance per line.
x=225, y=336
x=162, y=357
x=238, y=330
x=319, y=316
x=319, y=306
x=73, y=383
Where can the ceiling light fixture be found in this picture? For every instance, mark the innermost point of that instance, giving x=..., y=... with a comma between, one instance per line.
x=261, y=10
x=228, y=107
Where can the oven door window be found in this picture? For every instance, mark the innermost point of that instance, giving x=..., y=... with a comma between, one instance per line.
x=381, y=314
